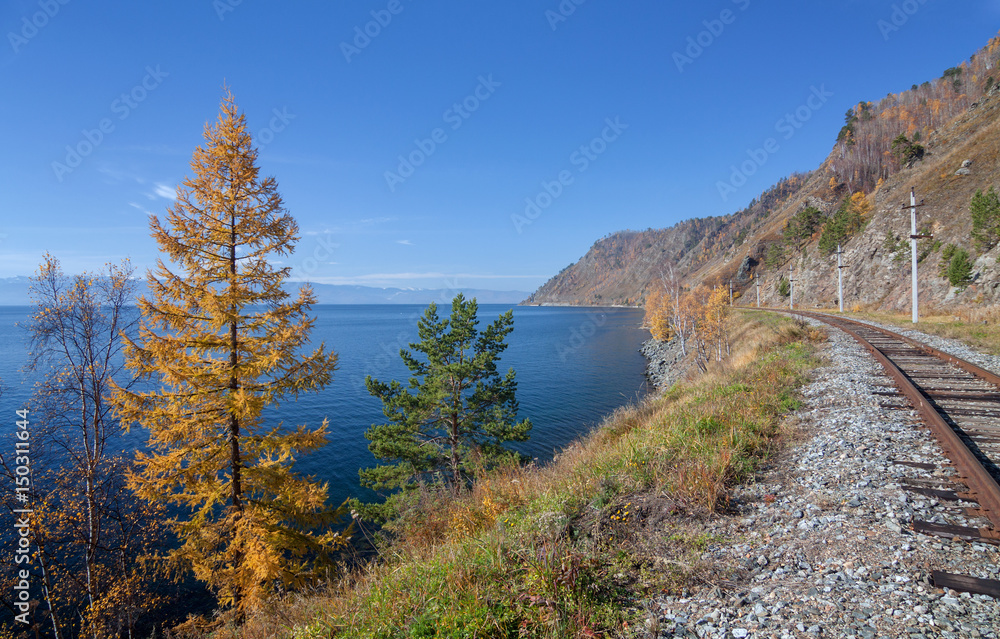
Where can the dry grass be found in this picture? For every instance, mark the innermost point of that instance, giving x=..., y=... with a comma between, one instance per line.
x=561, y=550
x=978, y=326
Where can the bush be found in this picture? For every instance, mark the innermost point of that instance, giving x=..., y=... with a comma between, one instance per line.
x=945, y=261
x=960, y=268
x=844, y=224
x=803, y=224
x=985, y=211
x=784, y=287
x=775, y=256
x=906, y=151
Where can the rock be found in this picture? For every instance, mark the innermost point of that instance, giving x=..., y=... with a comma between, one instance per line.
x=744, y=272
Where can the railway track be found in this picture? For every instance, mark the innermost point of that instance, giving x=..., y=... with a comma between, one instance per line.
x=960, y=404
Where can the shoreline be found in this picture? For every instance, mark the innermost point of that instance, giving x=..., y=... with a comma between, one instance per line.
x=665, y=365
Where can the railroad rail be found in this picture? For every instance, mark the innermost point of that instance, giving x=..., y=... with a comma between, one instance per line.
x=960, y=403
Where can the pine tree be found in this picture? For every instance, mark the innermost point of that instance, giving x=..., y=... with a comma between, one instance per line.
x=457, y=412
x=959, y=272
x=222, y=339
x=985, y=211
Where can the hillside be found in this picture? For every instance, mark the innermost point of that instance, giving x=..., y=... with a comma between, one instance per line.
x=940, y=137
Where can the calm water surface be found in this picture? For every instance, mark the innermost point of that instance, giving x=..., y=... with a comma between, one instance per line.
x=573, y=366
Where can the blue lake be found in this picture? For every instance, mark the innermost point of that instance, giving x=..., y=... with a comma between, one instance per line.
x=574, y=366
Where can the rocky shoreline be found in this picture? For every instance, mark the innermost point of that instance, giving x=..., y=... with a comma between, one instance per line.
x=666, y=364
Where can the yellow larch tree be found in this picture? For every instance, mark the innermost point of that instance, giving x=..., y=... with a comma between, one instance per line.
x=221, y=340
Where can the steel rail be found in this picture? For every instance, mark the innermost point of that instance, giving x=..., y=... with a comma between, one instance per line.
x=983, y=488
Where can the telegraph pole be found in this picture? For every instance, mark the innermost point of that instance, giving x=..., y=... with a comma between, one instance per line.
x=840, y=279
x=730, y=292
x=913, y=249
x=756, y=281
x=791, y=290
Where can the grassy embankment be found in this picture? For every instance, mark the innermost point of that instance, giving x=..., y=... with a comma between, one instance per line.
x=570, y=549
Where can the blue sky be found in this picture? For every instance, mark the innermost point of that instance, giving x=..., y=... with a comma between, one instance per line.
x=410, y=138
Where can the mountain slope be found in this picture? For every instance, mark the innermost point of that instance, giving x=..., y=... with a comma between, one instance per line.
x=919, y=138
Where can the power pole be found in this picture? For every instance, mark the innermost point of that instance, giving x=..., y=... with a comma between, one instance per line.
x=730, y=292
x=756, y=281
x=913, y=249
x=840, y=279
x=791, y=290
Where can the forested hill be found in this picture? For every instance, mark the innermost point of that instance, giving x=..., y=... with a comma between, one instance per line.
x=941, y=137
x=618, y=268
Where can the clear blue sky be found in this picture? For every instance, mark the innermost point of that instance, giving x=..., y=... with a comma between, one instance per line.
x=337, y=111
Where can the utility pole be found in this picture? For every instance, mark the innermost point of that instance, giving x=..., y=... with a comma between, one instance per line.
x=730, y=292
x=913, y=249
x=791, y=290
x=840, y=279
x=756, y=281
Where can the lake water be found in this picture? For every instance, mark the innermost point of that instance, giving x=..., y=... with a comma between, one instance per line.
x=574, y=366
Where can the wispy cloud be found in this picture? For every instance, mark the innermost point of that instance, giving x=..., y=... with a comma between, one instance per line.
x=115, y=175
x=165, y=191
x=404, y=242
x=140, y=207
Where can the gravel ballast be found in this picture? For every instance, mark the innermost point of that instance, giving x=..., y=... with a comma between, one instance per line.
x=821, y=543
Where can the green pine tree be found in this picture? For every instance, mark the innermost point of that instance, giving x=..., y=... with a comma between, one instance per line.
x=457, y=412
x=985, y=211
x=784, y=287
x=960, y=268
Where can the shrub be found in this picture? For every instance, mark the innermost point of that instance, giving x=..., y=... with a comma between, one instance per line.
x=906, y=151
x=803, y=224
x=960, y=268
x=945, y=261
x=845, y=223
x=775, y=256
x=784, y=287
x=985, y=211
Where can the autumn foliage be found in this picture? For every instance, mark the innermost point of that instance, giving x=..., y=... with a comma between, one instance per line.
x=697, y=318
x=95, y=547
x=865, y=151
x=220, y=341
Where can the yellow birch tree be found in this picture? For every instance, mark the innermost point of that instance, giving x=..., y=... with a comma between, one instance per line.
x=222, y=339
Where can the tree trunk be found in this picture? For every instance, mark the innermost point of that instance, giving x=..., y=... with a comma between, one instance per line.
x=91, y=550
x=236, y=487
x=47, y=588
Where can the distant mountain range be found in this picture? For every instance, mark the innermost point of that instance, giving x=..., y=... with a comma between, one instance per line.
x=14, y=292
